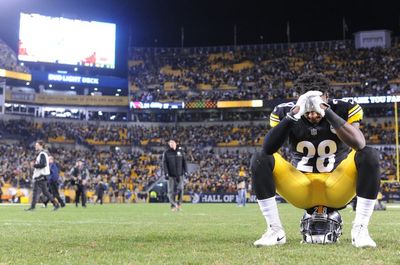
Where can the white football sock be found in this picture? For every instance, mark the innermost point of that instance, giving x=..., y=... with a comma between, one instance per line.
x=364, y=210
x=269, y=209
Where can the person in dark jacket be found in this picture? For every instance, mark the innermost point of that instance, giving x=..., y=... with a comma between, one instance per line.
x=100, y=189
x=80, y=178
x=53, y=182
x=175, y=168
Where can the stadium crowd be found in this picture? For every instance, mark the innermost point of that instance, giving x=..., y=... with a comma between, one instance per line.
x=254, y=73
x=123, y=173
x=248, y=72
x=126, y=175
x=8, y=59
x=200, y=136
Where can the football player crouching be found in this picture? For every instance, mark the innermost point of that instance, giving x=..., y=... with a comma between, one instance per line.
x=330, y=165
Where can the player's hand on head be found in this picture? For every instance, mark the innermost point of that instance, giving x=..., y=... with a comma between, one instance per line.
x=300, y=108
x=319, y=105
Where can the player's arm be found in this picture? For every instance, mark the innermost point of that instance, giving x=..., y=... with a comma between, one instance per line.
x=277, y=135
x=165, y=163
x=184, y=165
x=347, y=131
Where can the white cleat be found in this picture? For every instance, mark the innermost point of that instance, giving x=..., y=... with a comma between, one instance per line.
x=360, y=237
x=273, y=236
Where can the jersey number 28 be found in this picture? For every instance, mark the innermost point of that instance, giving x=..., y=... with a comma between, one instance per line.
x=325, y=151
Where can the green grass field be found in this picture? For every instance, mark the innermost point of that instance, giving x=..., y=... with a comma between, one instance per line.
x=200, y=234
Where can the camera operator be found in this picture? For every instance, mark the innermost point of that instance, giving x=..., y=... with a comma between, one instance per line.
x=80, y=178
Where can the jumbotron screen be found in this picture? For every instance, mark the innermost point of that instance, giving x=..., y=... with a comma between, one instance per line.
x=66, y=41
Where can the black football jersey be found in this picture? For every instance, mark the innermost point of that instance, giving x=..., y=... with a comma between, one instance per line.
x=316, y=147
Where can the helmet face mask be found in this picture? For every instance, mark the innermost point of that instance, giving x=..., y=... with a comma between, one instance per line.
x=323, y=226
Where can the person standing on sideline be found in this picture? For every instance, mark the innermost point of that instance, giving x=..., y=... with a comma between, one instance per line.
x=241, y=189
x=80, y=176
x=100, y=189
x=40, y=173
x=1, y=186
x=175, y=168
x=54, y=181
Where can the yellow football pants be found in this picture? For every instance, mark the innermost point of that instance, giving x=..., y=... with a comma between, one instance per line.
x=306, y=190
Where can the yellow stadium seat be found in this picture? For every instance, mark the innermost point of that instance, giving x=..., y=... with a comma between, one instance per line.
x=24, y=199
x=243, y=65
x=169, y=86
x=204, y=86
x=135, y=62
x=167, y=70
x=227, y=87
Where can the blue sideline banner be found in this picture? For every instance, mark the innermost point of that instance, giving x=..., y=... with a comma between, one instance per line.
x=224, y=198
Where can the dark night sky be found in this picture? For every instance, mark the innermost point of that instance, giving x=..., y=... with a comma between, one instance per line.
x=209, y=23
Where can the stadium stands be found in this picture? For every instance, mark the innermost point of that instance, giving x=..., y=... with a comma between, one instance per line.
x=8, y=59
x=220, y=151
x=217, y=169
x=258, y=73
x=199, y=136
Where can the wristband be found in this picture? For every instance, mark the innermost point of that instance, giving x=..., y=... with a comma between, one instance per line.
x=335, y=120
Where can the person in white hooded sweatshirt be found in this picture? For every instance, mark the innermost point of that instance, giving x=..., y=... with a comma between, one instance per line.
x=40, y=173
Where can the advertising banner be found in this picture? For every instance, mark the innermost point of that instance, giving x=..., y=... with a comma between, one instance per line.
x=201, y=104
x=76, y=79
x=219, y=198
x=373, y=38
x=47, y=99
x=15, y=75
x=240, y=104
x=156, y=105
